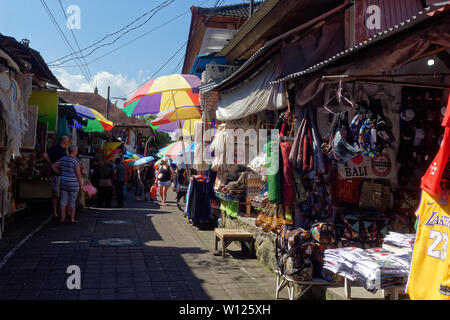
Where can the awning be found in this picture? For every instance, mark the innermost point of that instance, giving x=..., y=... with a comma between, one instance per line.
x=388, y=50
x=422, y=16
x=253, y=95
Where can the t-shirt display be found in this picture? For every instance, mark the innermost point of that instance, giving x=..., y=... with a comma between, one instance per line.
x=430, y=271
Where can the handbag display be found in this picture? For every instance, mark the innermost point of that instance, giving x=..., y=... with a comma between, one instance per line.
x=277, y=221
x=345, y=190
x=374, y=196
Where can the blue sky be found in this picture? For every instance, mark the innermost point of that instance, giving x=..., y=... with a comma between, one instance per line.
x=124, y=69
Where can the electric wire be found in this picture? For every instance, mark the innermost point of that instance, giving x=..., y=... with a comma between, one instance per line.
x=157, y=8
x=135, y=39
x=76, y=41
x=59, y=30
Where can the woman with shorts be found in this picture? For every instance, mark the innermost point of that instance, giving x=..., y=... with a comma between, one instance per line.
x=165, y=176
x=69, y=169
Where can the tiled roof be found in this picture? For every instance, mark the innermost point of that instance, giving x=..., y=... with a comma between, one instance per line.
x=98, y=103
x=234, y=10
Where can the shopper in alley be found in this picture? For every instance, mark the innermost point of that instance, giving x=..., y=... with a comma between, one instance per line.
x=119, y=181
x=52, y=156
x=68, y=167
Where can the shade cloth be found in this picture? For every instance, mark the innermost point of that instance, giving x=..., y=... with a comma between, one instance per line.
x=253, y=96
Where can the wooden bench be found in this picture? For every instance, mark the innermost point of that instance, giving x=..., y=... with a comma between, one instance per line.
x=229, y=235
x=283, y=281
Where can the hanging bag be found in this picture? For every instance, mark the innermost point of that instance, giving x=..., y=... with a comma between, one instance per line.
x=153, y=190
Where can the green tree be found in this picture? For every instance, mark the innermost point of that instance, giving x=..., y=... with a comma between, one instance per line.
x=161, y=138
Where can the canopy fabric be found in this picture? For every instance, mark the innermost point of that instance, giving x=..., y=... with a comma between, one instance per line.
x=173, y=149
x=186, y=130
x=142, y=104
x=173, y=115
x=109, y=147
x=254, y=96
x=144, y=160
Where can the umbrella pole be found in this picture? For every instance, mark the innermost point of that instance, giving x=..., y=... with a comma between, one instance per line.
x=181, y=129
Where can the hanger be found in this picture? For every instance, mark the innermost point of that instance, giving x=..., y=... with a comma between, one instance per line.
x=341, y=99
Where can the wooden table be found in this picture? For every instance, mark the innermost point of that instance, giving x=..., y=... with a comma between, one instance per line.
x=229, y=235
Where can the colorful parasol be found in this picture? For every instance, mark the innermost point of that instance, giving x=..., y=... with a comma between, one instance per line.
x=144, y=160
x=166, y=92
x=109, y=149
x=173, y=115
x=140, y=104
x=173, y=149
x=96, y=122
x=186, y=125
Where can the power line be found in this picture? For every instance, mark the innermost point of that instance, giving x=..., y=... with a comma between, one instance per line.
x=58, y=28
x=217, y=3
x=135, y=39
x=158, y=8
x=76, y=41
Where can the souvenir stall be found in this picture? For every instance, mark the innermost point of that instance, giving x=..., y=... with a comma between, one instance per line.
x=15, y=88
x=360, y=180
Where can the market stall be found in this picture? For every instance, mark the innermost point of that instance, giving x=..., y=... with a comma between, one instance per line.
x=367, y=128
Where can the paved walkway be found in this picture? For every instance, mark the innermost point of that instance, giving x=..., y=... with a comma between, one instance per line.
x=164, y=258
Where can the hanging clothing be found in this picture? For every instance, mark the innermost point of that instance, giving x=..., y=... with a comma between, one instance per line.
x=288, y=175
x=429, y=278
x=274, y=173
x=198, y=205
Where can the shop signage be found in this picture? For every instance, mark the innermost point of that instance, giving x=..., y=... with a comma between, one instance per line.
x=382, y=166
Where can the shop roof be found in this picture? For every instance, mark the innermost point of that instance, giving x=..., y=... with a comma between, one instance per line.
x=234, y=10
x=258, y=57
x=28, y=60
x=98, y=103
x=421, y=16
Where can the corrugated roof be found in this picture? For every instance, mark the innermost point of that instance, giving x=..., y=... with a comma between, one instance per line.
x=234, y=10
x=419, y=17
x=28, y=58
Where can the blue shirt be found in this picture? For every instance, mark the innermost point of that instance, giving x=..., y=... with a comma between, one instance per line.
x=69, y=181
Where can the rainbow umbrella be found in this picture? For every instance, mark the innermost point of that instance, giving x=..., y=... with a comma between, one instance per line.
x=173, y=149
x=166, y=92
x=96, y=122
x=173, y=115
x=187, y=127
x=144, y=160
x=145, y=104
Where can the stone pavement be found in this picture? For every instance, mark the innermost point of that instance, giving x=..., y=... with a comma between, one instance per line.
x=163, y=257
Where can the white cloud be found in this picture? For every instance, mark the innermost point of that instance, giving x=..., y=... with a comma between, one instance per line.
x=119, y=84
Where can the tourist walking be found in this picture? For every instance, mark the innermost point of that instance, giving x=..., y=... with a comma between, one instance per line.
x=52, y=156
x=149, y=179
x=105, y=185
x=68, y=167
x=165, y=176
x=119, y=181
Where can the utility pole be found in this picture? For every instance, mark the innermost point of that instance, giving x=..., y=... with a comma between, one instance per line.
x=251, y=8
x=107, y=105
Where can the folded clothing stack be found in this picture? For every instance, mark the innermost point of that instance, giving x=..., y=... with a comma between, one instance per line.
x=374, y=268
x=400, y=241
